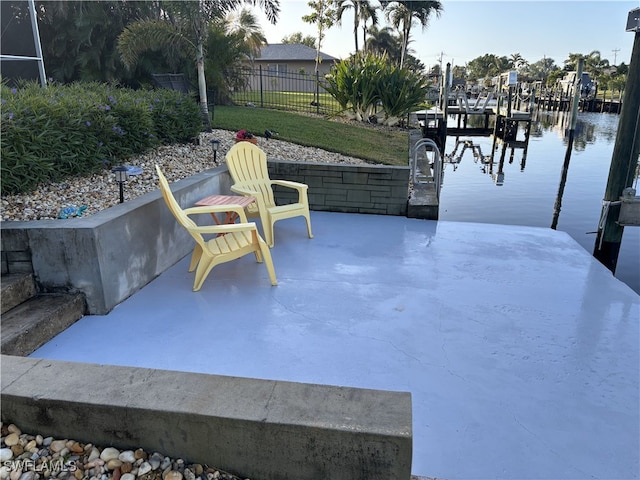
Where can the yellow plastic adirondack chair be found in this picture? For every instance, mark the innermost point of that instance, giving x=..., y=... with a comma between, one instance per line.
x=233, y=241
x=248, y=167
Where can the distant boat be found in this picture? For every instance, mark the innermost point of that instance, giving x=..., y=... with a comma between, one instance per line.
x=587, y=86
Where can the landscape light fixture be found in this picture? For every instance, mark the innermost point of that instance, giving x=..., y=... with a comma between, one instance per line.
x=215, y=144
x=121, y=177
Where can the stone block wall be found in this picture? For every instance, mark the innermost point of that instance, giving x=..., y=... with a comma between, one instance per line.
x=378, y=189
x=16, y=254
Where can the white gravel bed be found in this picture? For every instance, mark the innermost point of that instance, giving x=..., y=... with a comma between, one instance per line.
x=35, y=457
x=100, y=191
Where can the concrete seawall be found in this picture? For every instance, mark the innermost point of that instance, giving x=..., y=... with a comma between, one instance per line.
x=253, y=428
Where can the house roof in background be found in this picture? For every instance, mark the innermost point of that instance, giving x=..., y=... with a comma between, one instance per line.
x=290, y=51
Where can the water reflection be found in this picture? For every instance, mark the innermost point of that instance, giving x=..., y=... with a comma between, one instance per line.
x=518, y=184
x=589, y=127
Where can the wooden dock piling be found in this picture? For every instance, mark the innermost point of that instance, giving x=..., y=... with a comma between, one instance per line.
x=623, y=161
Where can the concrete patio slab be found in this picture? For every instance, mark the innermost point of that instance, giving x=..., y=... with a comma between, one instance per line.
x=520, y=350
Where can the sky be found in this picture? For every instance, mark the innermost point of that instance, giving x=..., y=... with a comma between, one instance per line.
x=467, y=29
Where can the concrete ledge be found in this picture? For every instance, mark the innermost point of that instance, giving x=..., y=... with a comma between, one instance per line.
x=16, y=289
x=423, y=202
x=253, y=428
x=112, y=254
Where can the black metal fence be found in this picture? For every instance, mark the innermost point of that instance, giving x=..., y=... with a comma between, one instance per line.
x=303, y=92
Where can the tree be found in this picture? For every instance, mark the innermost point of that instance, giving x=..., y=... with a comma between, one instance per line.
x=362, y=11
x=596, y=66
x=488, y=65
x=224, y=68
x=79, y=38
x=517, y=61
x=245, y=24
x=401, y=14
x=299, y=38
x=368, y=12
x=323, y=18
x=593, y=62
x=384, y=41
x=458, y=71
x=544, y=70
x=186, y=25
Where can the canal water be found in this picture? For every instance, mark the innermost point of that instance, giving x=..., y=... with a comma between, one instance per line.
x=524, y=190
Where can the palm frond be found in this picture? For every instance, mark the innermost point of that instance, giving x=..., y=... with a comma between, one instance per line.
x=153, y=35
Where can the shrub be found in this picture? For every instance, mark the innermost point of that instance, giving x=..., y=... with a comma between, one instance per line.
x=403, y=91
x=176, y=117
x=355, y=84
x=365, y=81
x=61, y=131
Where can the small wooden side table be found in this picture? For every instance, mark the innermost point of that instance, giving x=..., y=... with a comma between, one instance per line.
x=230, y=217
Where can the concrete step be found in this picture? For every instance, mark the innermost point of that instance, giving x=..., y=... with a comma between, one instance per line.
x=33, y=323
x=16, y=288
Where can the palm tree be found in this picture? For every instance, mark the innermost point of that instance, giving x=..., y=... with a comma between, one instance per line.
x=368, y=12
x=383, y=41
x=184, y=27
x=517, y=61
x=247, y=26
x=401, y=14
x=571, y=63
x=362, y=11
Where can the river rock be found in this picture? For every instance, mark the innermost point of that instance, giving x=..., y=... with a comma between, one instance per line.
x=76, y=447
x=12, y=439
x=95, y=453
x=172, y=475
x=5, y=454
x=17, y=450
x=188, y=474
x=155, y=460
x=127, y=456
x=28, y=475
x=57, y=445
x=109, y=453
x=114, y=463
x=128, y=476
x=144, y=468
x=13, y=429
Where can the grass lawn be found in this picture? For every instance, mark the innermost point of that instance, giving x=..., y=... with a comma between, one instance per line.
x=381, y=145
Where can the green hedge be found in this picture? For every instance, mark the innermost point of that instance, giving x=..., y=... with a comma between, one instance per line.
x=61, y=131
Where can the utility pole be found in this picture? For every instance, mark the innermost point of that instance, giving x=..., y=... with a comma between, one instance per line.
x=623, y=162
x=615, y=55
x=440, y=61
